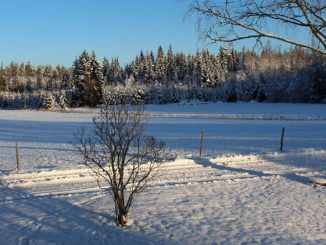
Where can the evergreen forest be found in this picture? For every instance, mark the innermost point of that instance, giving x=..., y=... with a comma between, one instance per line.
x=270, y=75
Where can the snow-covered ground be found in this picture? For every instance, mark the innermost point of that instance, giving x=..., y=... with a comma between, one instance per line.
x=243, y=190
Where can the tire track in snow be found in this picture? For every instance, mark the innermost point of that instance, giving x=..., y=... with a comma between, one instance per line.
x=178, y=173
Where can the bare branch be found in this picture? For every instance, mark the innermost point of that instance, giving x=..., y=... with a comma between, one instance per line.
x=232, y=21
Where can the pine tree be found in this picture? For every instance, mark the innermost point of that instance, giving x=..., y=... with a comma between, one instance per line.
x=66, y=81
x=81, y=77
x=197, y=68
x=3, y=81
x=115, y=72
x=94, y=91
x=40, y=83
x=318, y=82
x=63, y=101
x=29, y=70
x=170, y=69
x=181, y=66
x=160, y=66
x=49, y=101
x=105, y=70
x=224, y=59
x=141, y=66
x=135, y=68
x=149, y=70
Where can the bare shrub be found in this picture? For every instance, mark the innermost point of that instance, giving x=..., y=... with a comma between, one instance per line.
x=123, y=159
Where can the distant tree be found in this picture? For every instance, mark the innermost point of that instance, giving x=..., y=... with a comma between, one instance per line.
x=47, y=75
x=49, y=101
x=13, y=72
x=135, y=66
x=4, y=86
x=105, y=70
x=88, y=78
x=81, y=77
x=40, y=83
x=66, y=81
x=181, y=66
x=93, y=94
x=160, y=66
x=63, y=101
x=114, y=75
x=170, y=69
x=318, y=83
x=197, y=68
x=141, y=66
x=3, y=83
x=149, y=69
x=22, y=74
x=29, y=70
x=120, y=156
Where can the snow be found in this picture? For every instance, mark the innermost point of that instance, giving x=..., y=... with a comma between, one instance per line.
x=243, y=190
x=314, y=111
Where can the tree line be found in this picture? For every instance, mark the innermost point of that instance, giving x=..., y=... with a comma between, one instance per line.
x=271, y=75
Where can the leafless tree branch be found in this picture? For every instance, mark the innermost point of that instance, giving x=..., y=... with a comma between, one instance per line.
x=237, y=20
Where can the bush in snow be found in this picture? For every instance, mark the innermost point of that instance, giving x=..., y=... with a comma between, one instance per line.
x=120, y=155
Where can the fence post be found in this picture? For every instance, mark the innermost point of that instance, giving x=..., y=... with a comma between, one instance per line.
x=282, y=137
x=201, y=144
x=17, y=157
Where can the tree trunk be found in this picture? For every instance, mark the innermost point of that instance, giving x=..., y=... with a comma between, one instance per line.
x=121, y=213
x=122, y=219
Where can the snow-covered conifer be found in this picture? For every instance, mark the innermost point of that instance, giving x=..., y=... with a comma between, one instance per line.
x=48, y=101
x=170, y=69
x=149, y=70
x=81, y=77
x=94, y=91
x=63, y=101
x=160, y=66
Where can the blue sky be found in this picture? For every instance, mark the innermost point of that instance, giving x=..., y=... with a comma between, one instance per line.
x=56, y=31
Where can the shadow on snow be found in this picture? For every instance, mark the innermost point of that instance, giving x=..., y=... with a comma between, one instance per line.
x=26, y=219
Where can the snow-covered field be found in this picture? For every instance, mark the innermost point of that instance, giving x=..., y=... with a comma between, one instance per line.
x=243, y=190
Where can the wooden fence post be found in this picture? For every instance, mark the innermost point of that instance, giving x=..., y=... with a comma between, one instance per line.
x=282, y=137
x=17, y=157
x=201, y=144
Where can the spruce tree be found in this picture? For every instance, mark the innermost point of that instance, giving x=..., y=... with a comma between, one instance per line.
x=318, y=82
x=197, y=68
x=135, y=68
x=105, y=70
x=81, y=77
x=225, y=60
x=40, y=83
x=181, y=66
x=149, y=70
x=63, y=101
x=170, y=70
x=115, y=72
x=94, y=91
x=141, y=66
x=48, y=101
x=160, y=66
x=3, y=81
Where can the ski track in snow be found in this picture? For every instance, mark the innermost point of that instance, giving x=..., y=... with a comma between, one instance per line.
x=243, y=191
